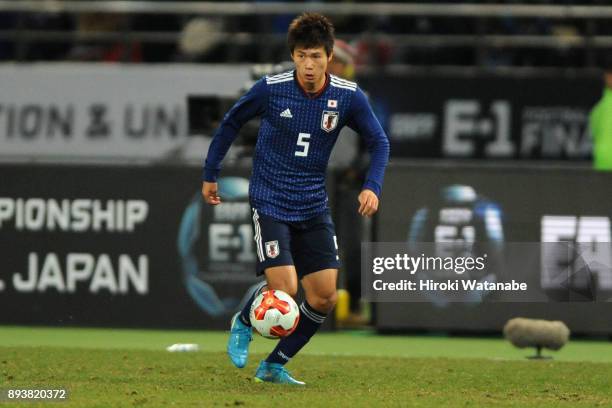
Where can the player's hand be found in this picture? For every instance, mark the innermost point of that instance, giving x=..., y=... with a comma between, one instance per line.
x=209, y=192
x=368, y=203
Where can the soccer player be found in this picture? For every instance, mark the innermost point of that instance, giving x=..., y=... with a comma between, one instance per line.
x=302, y=112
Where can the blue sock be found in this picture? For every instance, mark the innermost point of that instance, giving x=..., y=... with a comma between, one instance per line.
x=246, y=310
x=287, y=347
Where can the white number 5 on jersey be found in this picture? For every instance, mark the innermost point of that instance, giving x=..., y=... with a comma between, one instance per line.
x=303, y=143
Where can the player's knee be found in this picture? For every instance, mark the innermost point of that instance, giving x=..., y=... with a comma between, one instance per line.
x=325, y=302
x=287, y=287
x=291, y=290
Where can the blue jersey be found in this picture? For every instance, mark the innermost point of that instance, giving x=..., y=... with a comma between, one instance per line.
x=295, y=140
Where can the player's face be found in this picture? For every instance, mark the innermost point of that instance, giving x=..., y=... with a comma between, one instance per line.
x=311, y=64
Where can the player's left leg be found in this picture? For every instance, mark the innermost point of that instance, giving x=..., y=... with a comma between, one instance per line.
x=316, y=259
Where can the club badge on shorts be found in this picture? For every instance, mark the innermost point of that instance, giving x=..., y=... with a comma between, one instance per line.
x=272, y=249
x=329, y=121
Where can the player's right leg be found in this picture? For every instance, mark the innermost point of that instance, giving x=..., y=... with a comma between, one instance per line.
x=241, y=332
x=272, y=241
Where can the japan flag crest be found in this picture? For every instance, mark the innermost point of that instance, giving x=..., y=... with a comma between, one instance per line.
x=329, y=120
x=272, y=249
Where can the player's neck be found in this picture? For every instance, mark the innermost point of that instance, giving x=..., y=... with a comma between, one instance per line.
x=312, y=88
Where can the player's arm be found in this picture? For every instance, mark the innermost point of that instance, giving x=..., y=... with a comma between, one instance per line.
x=364, y=122
x=252, y=104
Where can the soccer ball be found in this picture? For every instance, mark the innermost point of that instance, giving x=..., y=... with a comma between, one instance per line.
x=274, y=314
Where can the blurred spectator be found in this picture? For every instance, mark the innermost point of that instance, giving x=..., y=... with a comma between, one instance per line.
x=348, y=146
x=373, y=46
x=91, y=24
x=200, y=39
x=374, y=49
x=601, y=124
x=348, y=156
x=343, y=62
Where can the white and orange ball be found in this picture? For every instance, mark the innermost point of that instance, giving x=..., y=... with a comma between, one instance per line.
x=274, y=314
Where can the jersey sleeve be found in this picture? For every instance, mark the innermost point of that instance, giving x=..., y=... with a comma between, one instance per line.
x=251, y=104
x=363, y=121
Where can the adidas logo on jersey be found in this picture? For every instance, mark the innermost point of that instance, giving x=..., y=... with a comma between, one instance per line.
x=286, y=113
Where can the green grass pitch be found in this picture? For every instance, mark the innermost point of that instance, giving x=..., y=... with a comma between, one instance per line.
x=115, y=368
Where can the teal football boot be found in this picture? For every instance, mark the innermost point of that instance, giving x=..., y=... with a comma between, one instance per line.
x=238, y=342
x=275, y=373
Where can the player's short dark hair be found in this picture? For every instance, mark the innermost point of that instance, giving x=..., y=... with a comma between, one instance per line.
x=311, y=30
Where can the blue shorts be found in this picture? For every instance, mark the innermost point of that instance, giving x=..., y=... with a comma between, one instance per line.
x=309, y=245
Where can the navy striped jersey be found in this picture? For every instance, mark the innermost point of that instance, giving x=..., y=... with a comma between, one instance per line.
x=296, y=137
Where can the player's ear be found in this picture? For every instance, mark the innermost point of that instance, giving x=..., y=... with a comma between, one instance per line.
x=330, y=56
